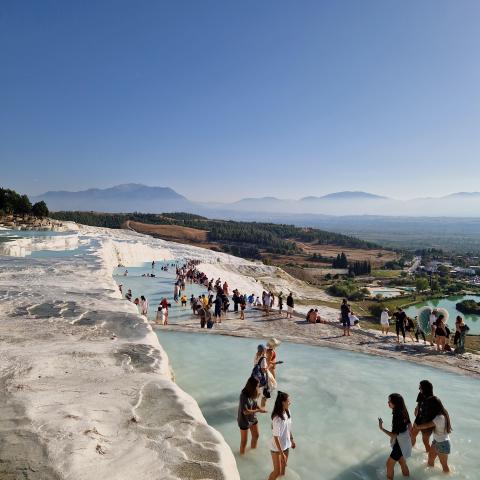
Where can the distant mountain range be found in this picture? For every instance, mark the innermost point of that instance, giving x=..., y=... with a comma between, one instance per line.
x=128, y=197
x=136, y=197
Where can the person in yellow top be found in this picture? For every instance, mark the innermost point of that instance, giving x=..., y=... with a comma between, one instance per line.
x=183, y=299
x=205, y=301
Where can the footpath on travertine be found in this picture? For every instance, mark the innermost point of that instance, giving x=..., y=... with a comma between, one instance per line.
x=298, y=330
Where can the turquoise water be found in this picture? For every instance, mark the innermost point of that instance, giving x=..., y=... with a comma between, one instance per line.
x=336, y=399
x=44, y=251
x=385, y=292
x=473, y=321
x=32, y=233
x=389, y=292
x=156, y=288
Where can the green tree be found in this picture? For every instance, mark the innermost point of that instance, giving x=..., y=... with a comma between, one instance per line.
x=421, y=284
x=40, y=209
x=435, y=285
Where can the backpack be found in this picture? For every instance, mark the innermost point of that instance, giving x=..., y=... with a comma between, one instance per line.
x=258, y=374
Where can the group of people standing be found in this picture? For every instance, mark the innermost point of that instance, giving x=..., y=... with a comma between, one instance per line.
x=431, y=419
x=253, y=400
x=141, y=303
x=440, y=332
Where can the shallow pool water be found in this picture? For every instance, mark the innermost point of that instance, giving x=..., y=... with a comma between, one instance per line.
x=473, y=321
x=43, y=244
x=336, y=399
x=156, y=288
x=385, y=292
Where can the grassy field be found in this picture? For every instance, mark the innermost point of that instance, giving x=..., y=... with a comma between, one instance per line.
x=171, y=232
x=386, y=273
x=377, y=257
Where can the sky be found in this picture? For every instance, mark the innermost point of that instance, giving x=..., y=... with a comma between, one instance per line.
x=222, y=100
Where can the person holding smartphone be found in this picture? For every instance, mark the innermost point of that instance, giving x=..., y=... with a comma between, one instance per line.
x=400, y=435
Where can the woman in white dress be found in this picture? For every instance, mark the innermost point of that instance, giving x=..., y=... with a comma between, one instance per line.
x=385, y=321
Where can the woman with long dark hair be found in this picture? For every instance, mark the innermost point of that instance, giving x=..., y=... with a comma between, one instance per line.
x=400, y=439
x=282, y=435
x=247, y=418
x=441, y=426
x=423, y=413
x=441, y=334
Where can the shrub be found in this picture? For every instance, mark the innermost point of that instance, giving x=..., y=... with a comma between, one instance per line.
x=376, y=309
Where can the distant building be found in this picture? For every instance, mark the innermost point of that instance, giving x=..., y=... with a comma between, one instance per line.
x=465, y=271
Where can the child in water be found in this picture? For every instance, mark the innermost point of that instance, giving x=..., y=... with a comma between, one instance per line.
x=183, y=300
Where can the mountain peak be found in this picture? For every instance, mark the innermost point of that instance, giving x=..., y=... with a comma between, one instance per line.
x=463, y=195
x=119, y=198
x=346, y=195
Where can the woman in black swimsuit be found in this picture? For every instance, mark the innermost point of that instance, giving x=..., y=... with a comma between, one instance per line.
x=401, y=444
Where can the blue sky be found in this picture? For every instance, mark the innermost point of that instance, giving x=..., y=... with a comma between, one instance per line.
x=227, y=99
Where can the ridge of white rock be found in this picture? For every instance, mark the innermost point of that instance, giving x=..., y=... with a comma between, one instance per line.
x=85, y=382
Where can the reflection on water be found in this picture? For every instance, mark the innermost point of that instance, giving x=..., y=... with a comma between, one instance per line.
x=41, y=244
x=337, y=397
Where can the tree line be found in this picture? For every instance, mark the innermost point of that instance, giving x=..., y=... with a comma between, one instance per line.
x=232, y=235
x=12, y=203
x=358, y=267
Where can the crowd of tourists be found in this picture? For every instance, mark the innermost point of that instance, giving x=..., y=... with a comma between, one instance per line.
x=431, y=419
x=438, y=331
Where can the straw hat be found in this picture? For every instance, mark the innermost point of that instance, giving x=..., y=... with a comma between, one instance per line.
x=273, y=343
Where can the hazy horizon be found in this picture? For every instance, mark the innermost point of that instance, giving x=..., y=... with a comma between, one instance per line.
x=263, y=195
x=222, y=101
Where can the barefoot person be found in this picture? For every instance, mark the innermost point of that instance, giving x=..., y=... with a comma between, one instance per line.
x=400, y=319
x=243, y=306
x=410, y=327
x=247, y=418
x=419, y=331
x=441, y=440
x=290, y=305
x=440, y=333
x=400, y=439
x=433, y=323
x=423, y=413
x=385, y=321
x=143, y=305
x=345, y=315
x=282, y=435
x=271, y=355
x=280, y=303
x=260, y=372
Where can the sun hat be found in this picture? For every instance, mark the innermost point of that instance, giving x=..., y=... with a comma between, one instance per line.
x=273, y=342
